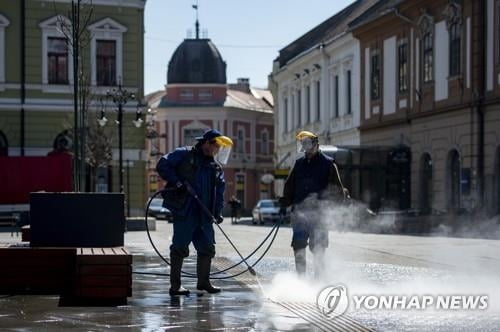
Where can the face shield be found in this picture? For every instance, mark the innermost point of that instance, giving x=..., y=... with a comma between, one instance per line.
x=305, y=145
x=225, y=145
x=306, y=142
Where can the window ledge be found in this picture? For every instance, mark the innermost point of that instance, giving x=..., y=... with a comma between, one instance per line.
x=9, y=86
x=57, y=88
x=68, y=88
x=102, y=90
x=336, y=120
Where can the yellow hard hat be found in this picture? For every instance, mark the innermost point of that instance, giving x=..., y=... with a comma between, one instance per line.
x=305, y=134
x=223, y=141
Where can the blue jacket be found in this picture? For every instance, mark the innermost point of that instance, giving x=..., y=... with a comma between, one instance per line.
x=203, y=173
x=310, y=176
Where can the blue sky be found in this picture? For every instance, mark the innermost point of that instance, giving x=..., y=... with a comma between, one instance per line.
x=247, y=33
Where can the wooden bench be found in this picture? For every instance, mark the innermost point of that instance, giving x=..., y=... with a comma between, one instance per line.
x=101, y=276
x=25, y=270
x=103, y=273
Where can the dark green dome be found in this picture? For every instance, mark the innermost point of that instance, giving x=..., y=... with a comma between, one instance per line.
x=196, y=61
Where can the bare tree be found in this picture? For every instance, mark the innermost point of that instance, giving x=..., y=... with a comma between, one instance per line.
x=78, y=37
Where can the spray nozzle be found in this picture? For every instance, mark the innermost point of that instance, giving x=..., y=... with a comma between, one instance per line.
x=252, y=271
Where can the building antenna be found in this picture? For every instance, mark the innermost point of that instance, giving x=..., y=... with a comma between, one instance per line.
x=197, y=24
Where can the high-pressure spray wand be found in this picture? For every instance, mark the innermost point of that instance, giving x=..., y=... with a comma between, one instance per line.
x=209, y=214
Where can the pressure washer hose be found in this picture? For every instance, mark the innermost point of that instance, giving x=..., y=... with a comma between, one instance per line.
x=209, y=214
x=274, y=229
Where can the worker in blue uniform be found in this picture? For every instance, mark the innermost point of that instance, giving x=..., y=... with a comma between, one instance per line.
x=311, y=176
x=200, y=168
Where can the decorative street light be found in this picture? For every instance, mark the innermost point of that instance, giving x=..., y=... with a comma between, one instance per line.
x=120, y=97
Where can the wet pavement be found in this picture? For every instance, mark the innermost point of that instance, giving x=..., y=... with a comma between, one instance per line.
x=366, y=264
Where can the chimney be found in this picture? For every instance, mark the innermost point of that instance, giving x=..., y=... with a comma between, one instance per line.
x=242, y=84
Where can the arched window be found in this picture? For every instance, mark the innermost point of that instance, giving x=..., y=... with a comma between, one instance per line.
x=453, y=175
x=426, y=190
x=4, y=145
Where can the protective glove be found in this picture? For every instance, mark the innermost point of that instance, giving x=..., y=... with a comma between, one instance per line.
x=219, y=220
x=180, y=188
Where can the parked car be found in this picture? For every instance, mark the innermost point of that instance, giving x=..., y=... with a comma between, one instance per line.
x=267, y=210
x=157, y=210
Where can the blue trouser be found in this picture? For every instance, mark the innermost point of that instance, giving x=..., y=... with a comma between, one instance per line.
x=193, y=228
x=308, y=230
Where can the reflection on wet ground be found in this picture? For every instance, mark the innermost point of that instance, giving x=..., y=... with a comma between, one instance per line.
x=284, y=304
x=151, y=308
x=241, y=306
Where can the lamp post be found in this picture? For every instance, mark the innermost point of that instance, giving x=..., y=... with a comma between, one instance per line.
x=120, y=97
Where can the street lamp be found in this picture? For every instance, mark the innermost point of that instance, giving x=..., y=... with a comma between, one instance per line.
x=120, y=97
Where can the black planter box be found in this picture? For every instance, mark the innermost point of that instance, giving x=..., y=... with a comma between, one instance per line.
x=77, y=219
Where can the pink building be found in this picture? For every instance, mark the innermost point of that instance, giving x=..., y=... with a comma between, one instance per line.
x=196, y=98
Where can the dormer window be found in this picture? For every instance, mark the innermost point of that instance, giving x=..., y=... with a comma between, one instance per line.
x=205, y=94
x=186, y=94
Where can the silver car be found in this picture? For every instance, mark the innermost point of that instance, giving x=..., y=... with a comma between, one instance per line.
x=157, y=210
x=266, y=210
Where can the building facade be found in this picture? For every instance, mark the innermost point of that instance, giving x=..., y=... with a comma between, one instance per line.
x=315, y=81
x=491, y=110
x=426, y=89
x=196, y=98
x=36, y=79
x=425, y=98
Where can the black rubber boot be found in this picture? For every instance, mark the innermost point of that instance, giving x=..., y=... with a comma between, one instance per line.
x=300, y=261
x=203, y=264
x=175, y=276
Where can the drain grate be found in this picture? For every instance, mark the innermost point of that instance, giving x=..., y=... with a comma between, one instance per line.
x=311, y=314
x=305, y=310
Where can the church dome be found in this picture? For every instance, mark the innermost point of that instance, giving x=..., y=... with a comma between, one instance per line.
x=196, y=61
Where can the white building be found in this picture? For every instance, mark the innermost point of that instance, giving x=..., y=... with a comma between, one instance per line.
x=316, y=87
